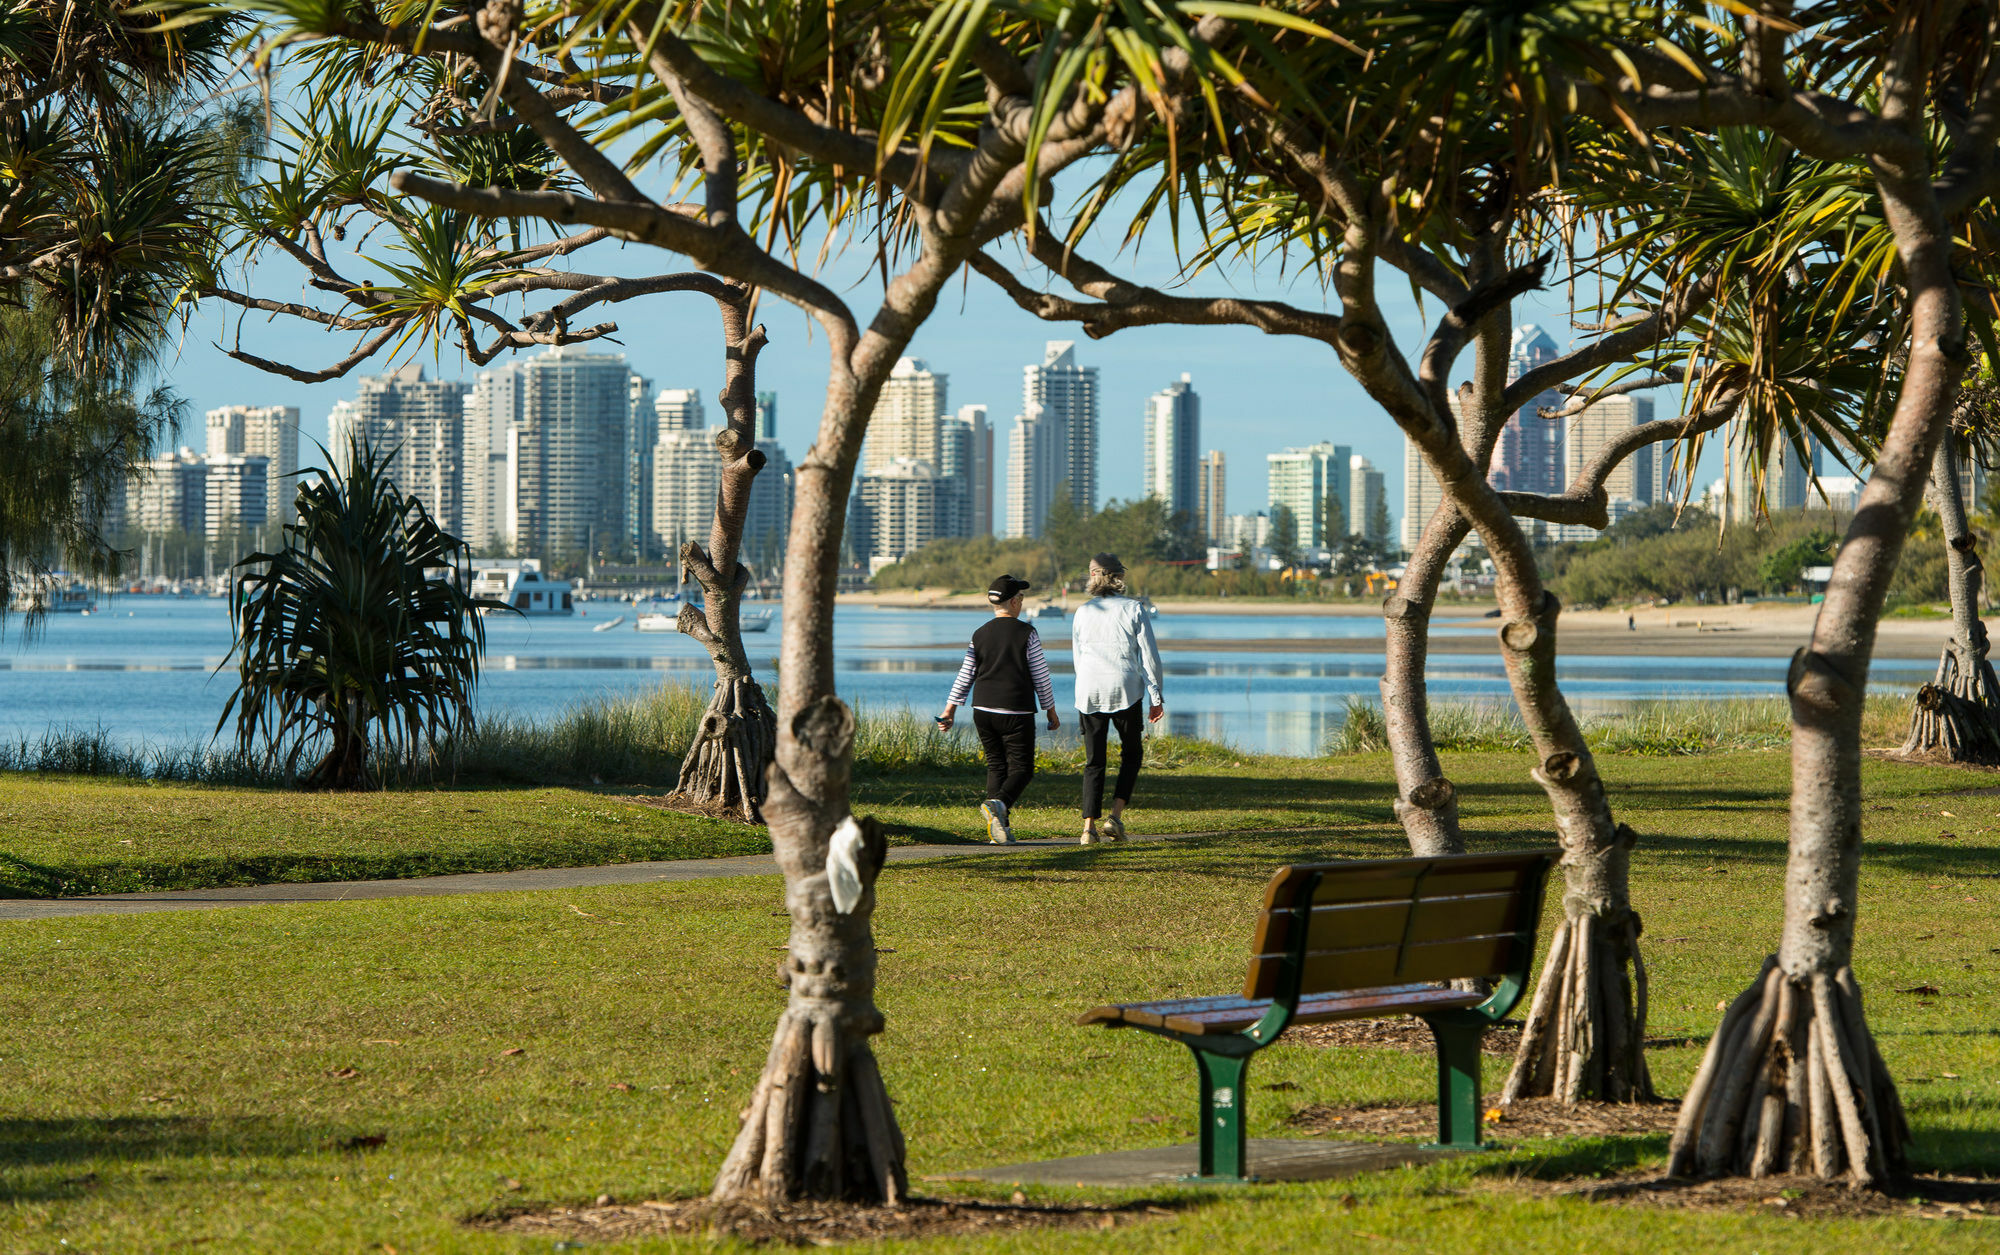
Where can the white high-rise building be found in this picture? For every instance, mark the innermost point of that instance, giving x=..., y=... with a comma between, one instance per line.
x=1212, y=498
x=901, y=505
x=556, y=433
x=492, y=408
x=686, y=475
x=169, y=493
x=1421, y=494
x=1367, y=506
x=966, y=459
x=680, y=409
x=420, y=423
x=767, y=417
x=1529, y=455
x=1633, y=479
x=1300, y=480
x=267, y=431
x=235, y=494
x=1245, y=533
x=1034, y=456
x=1173, y=438
x=1064, y=396
x=905, y=421
x=954, y=470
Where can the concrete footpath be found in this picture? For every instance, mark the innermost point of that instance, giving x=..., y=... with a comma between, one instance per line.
x=478, y=882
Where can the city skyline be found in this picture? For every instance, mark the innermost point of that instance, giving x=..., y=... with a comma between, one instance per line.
x=896, y=434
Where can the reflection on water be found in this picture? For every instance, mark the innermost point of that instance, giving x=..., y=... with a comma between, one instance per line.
x=144, y=670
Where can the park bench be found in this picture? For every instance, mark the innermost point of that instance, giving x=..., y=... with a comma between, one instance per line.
x=1343, y=941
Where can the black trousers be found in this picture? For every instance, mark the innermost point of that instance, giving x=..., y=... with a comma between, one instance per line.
x=1096, y=729
x=1009, y=742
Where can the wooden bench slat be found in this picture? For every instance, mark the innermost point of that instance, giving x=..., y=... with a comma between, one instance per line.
x=1370, y=967
x=1351, y=924
x=1206, y=1016
x=1151, y=1013
x=1404, y=888
x=1379, y=878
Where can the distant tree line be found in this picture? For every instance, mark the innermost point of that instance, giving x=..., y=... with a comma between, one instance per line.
x=1684, y=555
x=1163, y=552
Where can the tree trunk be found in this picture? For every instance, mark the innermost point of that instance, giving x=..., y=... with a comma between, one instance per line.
x=726, y=766
x=1586, y=1028
x=1591, y=1049
x=1792, y=1080
x=820, y=1122
x=1956, y=717
x=345, y=764
x=1426, y=802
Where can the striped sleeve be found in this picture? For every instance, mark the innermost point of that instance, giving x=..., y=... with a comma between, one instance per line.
x=962, y=686
x=1038, y=670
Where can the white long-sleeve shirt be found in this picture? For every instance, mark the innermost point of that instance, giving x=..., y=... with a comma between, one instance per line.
x=1116, y=655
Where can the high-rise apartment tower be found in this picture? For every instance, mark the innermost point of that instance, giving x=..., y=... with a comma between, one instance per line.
x=1173, y=441
x=267, y=431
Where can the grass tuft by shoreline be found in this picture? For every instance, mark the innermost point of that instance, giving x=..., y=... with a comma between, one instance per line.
x=1664, y=728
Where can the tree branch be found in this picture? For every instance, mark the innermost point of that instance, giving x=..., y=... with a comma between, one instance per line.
x=367, y=350
x=725, y=248
x=1126, y=304
x=1584, y=501
x=1456, y=327
x=1632, y=337
x=340, y=322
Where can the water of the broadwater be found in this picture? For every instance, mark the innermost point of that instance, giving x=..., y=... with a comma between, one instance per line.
x=145, y=669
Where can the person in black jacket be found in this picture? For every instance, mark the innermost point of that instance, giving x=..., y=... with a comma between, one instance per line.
x=1007, y=676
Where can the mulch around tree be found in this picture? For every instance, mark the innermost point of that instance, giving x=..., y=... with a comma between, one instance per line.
x=808, y=1223
x=687, y=806
x=1925, y=1196
x=1529, y=1118
x=1402, y=1032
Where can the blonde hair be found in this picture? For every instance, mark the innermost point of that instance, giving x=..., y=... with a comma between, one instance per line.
x=1103, y=582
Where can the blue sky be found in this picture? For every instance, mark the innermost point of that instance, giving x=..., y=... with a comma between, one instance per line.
x=1258, y=393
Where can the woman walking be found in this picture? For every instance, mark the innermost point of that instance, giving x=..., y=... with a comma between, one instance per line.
x=1117, y=664
x=1005, y=675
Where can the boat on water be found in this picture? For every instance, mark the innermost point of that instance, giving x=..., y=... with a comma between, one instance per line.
x=1048, y=610
x=756, y=621
x=607, y=626
x=74, y=597
x=656, y=621
x=519, y=582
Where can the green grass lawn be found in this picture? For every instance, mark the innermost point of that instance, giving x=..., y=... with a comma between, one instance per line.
x=181, y=1081
x=69, y=835
x=73, y=835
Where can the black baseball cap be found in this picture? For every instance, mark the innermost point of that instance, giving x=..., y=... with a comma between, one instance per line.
x=1006, y=588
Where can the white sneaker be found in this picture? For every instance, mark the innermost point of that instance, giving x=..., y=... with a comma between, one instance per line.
x=1112, y=828
x=997, y=831
x=1088, y=838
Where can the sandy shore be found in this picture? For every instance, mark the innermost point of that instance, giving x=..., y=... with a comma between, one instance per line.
x=1761, y=630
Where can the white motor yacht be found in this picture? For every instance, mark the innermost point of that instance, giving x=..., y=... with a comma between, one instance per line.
x=520, y=583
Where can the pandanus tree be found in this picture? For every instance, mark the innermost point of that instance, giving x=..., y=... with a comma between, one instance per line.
x=1461, y=216
x=937, y=129
x=1956, y=717
x=1792, y=1078
x=421, y=275
x=356, y=635
x=112, y=168
x=737, y=737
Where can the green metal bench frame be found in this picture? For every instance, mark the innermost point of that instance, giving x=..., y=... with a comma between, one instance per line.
x=1223, y=1060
